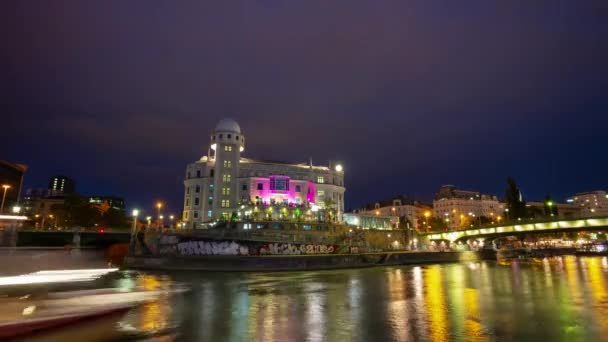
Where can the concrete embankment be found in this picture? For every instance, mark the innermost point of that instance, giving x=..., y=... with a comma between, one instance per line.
x=296, y=262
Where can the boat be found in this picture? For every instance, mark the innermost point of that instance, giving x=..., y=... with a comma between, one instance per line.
x=86, y=315
x=96, y=324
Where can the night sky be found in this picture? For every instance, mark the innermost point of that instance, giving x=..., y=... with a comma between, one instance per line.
x=410, y=95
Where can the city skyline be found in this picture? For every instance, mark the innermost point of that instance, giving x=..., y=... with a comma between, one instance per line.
x=432, y=94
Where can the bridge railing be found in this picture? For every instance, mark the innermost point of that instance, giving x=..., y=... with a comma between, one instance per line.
x=522, y=228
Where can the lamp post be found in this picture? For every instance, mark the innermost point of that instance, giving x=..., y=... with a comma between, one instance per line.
x=171, y=217
x=550, y=205
x=159, y=205
x=5, y=187
x=135, y=213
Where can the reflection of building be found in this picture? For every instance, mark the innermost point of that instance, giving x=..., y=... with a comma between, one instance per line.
x=222, y=183
x=460, y=208
x=117, y=203
x=411, y=211
x=592, y=203
x=62, y=184
x=11, y=174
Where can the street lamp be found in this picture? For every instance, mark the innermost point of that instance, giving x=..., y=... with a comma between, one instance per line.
x=16, y=209
x=159, y=205
x=135, y=213
x=426, y=221
x=5, y=187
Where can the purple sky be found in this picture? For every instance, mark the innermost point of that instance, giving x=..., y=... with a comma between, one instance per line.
x=121, y=95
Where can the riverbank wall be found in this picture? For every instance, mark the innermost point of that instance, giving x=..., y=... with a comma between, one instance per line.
x=295, y=262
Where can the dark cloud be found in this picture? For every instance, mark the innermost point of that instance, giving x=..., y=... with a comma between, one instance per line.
x=409, y=94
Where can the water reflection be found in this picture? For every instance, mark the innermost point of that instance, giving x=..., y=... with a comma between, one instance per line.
x=560, y=299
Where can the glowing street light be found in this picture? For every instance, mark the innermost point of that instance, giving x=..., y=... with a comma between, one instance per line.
x=339, y=168
x=5, y=187
x=135, y=213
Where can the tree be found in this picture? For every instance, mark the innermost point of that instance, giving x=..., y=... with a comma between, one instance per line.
x=75, y=211
x=514, y=199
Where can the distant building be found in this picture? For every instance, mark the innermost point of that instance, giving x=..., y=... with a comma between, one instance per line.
x=564, y=210
x=371, y=221
x=592, y=203
x=461, y=208
x=409, y=210
x=223, y=184
x=62, y=184
x=117, y=203
x=11, y=174
x=38, y=201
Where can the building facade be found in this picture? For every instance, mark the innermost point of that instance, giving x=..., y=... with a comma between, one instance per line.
x=461, y=208
x=117, y=203
x=11, y=176
x=591, y=203
x=62, y=184
x=410, y=211
x=223, y=184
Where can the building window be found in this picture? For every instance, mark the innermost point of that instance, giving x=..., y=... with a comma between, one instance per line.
x=298, y=200
x=185, y=215
x=228, y=148
x=229, y=136
x=226, y=178
x=211, y=173
x=244, y=187
x=209, y=213
x=187, y=190
x=221, y=136
x=279, y=183
x=227, y=164
x=197, y=189
x=196, y=201
x=187, y=202
x=198, y=173
x=196, y=214
x=225, y=203
x=225, y=191
x=237, y=137
x=260, y=186
x=188, y=175
x=320, y=179
x=298, y=188
x=320, y=193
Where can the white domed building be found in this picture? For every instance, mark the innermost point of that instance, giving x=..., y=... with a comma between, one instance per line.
x=225, y=185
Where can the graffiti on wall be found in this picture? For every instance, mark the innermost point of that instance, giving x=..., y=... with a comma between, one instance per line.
x=294, y=249
x=211, y=248
x=171, y=245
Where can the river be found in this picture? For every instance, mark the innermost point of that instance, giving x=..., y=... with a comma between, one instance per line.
x=555, y=299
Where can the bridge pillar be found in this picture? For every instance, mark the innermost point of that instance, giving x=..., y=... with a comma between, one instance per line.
x=76, y=240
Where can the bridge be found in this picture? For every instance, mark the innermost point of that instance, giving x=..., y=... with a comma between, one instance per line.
x=595, y=223
x=43, y=238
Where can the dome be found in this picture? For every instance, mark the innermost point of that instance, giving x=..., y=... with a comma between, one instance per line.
x=228, y=125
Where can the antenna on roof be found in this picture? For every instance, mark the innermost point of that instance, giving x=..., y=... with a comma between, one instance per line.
x=310, y=161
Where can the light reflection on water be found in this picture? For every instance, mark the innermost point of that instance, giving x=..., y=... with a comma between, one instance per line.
x=557, y=299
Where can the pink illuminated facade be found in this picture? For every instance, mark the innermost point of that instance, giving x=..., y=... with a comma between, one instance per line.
x=222, y=183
